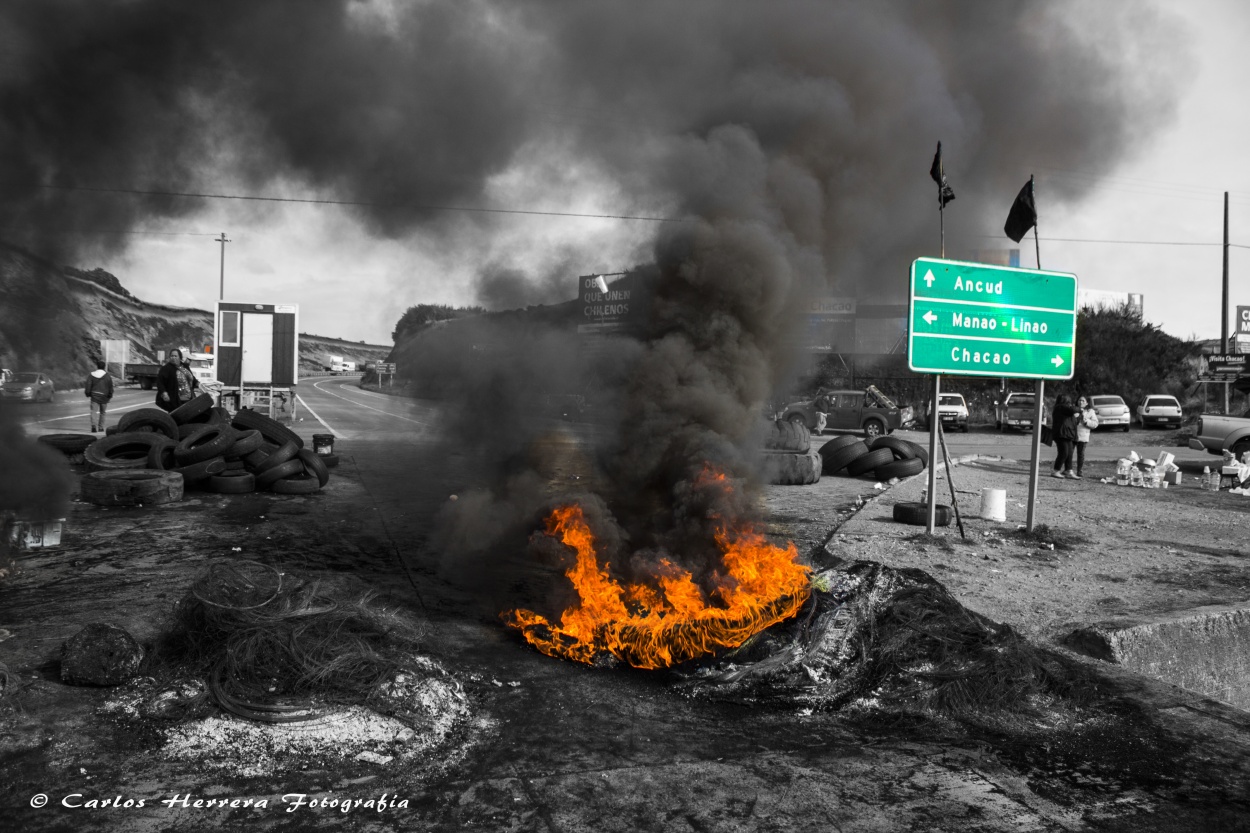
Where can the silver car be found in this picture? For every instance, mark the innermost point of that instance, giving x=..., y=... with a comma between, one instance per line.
x=1160, y=409
x=32, y=387
x=1111, y=411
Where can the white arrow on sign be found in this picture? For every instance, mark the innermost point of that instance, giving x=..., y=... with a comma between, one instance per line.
x=1056, y=361
x=929, y=317
x=929, y=279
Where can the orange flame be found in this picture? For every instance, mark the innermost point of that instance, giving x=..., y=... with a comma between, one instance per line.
x=674, y=621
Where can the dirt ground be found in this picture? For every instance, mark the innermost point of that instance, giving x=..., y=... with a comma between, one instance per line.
x=545, y=745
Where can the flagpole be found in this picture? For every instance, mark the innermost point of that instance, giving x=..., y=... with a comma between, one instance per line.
x=1039, y=408
x=942, y=220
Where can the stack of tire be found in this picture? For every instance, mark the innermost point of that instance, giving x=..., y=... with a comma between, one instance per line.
x=884, y=458
x=205, y=449
x=788, y=456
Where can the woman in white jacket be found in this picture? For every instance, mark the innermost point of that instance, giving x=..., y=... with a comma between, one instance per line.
x=1086, y=420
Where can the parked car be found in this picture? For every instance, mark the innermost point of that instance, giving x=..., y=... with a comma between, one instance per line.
x=1016, y=410
x=952, y=411
x=1111, y=410
x=868, y=410
x=1217, y=433
x=1160, y=409
x=34, y=387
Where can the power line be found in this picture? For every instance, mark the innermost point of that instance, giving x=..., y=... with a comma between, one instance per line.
x=361, y=203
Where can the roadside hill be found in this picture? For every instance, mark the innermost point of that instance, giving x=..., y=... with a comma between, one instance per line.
x=53, y=319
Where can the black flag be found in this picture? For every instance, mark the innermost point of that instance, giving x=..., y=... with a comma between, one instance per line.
x=945, y=193
x=1023, y=214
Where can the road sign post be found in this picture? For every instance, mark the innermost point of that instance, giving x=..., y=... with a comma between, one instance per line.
x=976, y=319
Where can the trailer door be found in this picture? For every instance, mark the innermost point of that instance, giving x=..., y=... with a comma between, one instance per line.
x=257, y=349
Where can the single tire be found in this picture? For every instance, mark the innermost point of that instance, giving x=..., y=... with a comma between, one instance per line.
x=867, y=463
x=232, y=483
x=902, y=448
x=124, y=450
x=900, y=468
x=917, y=514
x=251, y=461
x=207, y=442
x=313, y=465
x=840, y=441
x=218, y=416
x=189, y=410
x=68, y=443
x=921, y=451
x=110, y=431
x=964, y=428
x=270, y=429
x=789, y=435
x=330, y=460
x=874, y=428
x=161, y=458
x=235, y=465
x=300, y=484
x=843, y=457
x=288, y=469
x=199, y=472
x=154, y=418
x=131, y=488
x=146, y=383
x=283, y=454
x=187, y=429
x=1126, y=429
x=247, y=442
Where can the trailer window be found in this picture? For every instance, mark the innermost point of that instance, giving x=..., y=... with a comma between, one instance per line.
x=229, y=328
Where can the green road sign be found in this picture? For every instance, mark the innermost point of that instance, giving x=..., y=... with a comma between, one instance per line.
x=973, y=319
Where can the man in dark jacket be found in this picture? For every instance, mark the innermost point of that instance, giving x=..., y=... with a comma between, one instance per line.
x=99, y=389
x=1063, y=422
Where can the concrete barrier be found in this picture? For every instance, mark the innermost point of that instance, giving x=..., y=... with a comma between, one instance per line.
x=1205, y=650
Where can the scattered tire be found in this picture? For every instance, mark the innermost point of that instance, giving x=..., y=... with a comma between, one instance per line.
x=205, y=442
x=330, y=460
x=251, y=461
x=153, y=418
x=235, y=465
x=124, y=450
x=300, y=484
x=161, y=458
x=283, y=454
x=189, y=410
x=270, y=429
x=218, y=416
x=843, y=457
x=900, y=468
x=867, y=463
x=787, y=468
x=917, y=514
x=232, y=483
x=902, y=448
x=247, y=442
x=110, y=430
x=789, y=435
x=840, y=441
x=315, y=466
x=272, y=475
x=68, y=443
x=199, y=472
x=187, y=429
x=131, y=488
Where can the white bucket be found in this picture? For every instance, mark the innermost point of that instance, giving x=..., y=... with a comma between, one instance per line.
x=994, y=504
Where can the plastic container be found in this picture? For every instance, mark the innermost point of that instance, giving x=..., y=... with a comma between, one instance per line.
x=994, y=505
x=1123, y=467
x=323, y=444
x=1136, y=478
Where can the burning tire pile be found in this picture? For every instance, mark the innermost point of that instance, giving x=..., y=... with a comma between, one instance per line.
x=154, y=456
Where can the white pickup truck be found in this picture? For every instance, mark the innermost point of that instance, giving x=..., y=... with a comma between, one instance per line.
x=1217, y=432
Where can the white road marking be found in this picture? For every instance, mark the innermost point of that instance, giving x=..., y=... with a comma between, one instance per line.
x=318, y=418
x=88, y=414
x=317, y=385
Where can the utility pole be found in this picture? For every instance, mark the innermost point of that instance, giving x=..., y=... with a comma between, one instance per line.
x=1224, y=348
x=223, y=240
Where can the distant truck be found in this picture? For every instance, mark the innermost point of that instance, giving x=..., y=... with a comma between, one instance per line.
x=1216, y=433
x=338, y=365
x=144, y=375
x=868, y=410
x=1016, y=410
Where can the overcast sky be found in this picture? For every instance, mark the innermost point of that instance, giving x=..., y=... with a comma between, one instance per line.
x=354, y=280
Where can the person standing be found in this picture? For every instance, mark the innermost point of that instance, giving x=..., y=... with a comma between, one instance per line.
x=175, y=383
x=1086, y=421
x=99, y=389
x=1063, y=422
